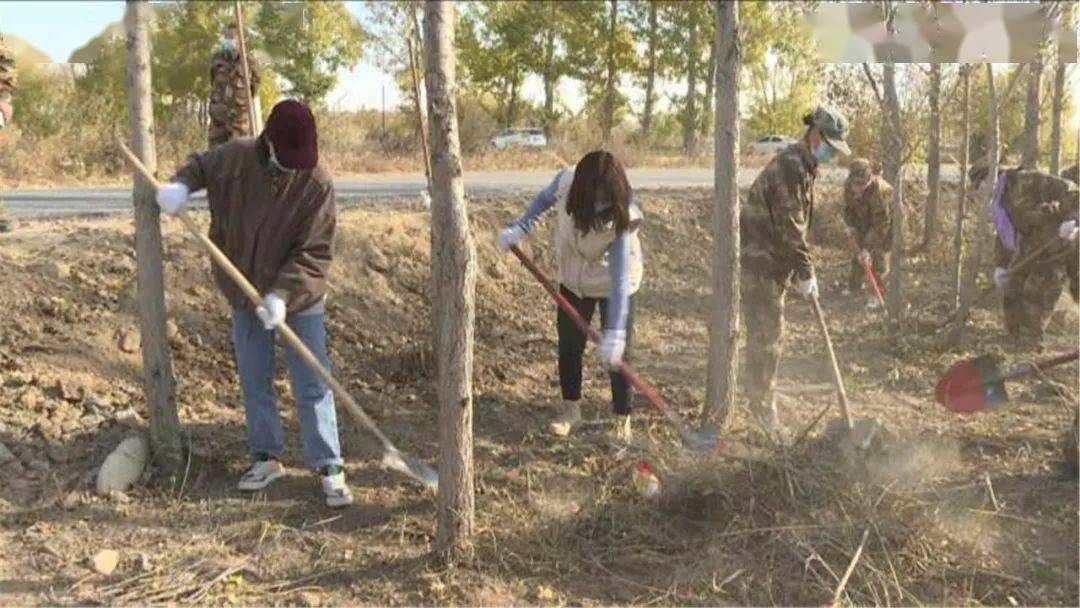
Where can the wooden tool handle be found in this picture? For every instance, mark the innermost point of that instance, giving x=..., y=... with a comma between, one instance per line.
x=253, y=295
x=838, y=380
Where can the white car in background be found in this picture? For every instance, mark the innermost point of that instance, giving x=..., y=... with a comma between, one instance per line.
x=770, y=144
x=519, y=138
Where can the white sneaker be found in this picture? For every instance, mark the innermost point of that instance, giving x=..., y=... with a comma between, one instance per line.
x=336, y=490
x=260, y=475
x=570, y=416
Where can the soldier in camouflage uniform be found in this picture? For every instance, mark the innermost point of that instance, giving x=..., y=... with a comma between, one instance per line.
x=774, y=222
x=1033, y=208
x=229, y=116
x=868, y=222
x=7, y=88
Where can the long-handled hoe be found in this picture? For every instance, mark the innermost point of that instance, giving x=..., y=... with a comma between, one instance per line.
x=392, y=457
x=706, y=440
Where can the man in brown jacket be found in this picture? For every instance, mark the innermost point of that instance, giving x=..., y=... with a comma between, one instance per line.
x=272, y=212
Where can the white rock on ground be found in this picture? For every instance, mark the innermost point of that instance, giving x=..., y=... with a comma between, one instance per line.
x=105, y=561
x=123, y=466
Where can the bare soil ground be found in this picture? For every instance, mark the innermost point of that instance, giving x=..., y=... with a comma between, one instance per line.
x=956, y=511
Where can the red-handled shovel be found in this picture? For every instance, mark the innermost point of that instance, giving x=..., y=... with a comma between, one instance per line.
x=704, y=441
x=978, y=384
x=871, y=278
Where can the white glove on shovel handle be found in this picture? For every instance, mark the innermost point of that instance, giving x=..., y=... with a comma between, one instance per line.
x=172, y=197
x=1001, y=277
x=808, y=288
x=612, y=346
x=1068, y=230
x=510, y=236
x=864, y=257
x=272, y=311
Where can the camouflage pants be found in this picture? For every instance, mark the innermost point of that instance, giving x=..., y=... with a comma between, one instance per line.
x=1030, y=296
x=857, y=276
x=763, y=316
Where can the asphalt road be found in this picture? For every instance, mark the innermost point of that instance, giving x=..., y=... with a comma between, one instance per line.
x=65, y=202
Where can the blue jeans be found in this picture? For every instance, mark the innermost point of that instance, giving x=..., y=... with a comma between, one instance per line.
x=254, y=345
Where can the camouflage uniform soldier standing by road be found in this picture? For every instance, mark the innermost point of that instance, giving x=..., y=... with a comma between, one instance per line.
x=229, y=116
x=774, y=222
x=868, y=221
x=1032, y=209
x=7, y=88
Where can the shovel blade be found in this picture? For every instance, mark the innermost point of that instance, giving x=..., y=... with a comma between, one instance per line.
x=412, y=467
x=972, y=385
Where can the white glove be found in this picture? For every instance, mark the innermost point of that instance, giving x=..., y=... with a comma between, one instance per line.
x=1068, y=230
x=612, y=346
x=272, y=311
x=172, y=197
x=864, y=257
x=808, y=288
x=849, y=230
x=1001, y=277
x=510, y=236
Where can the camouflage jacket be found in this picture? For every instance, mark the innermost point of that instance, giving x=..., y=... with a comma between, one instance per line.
x=228, y=103
x=867, y=210
x=776, y=216
x=1036, y=203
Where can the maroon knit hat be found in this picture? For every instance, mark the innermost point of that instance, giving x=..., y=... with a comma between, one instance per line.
x=291, y=128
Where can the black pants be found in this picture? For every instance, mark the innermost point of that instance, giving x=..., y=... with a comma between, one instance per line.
x=572, y=347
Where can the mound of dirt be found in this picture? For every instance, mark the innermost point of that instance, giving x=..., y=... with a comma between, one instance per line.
x=964, y=511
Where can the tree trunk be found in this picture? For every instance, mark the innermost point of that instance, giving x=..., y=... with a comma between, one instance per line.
x=893, y=173
x=724, y=317
x=420, y=124
x=549, y=79
x=710, y=81
x=166, y=434
x=650, y=72
x=982, y=226
x=453, y=281
x=511, y=107
x=965, y=145
x=933, y=161
x=690, y=120
x=608, y=119
x=1055, y=117
x=1030, y=157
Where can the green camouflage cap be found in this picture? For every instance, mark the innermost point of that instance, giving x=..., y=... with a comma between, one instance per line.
x=859, y=167
x=832, y=127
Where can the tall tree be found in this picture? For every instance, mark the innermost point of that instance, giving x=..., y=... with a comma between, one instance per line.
x=496, y=46
x=933, y=160
x=982, y=228
x=690, y=118
x=165, y=432
x=724, y=317
x=652, y=34
x=961, y=203
x=1030, y=157
x=453, y=278
x=607, y=119
x=710, y=81
x=310, y=42
x=1055, y=116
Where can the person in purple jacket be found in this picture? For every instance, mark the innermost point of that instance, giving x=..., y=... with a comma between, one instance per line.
x=599, y=261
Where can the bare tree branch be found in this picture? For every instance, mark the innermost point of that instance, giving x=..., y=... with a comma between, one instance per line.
x=1009, y=87
x=873, y=85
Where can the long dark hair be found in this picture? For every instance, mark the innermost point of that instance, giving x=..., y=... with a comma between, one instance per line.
x=598, y=178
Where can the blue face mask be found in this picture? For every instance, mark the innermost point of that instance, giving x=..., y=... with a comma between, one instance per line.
x=228, y=45
x=824, y=152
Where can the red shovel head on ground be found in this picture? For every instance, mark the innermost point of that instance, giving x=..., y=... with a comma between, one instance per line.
x=972, y=385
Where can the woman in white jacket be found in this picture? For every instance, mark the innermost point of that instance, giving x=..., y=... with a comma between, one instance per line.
x=599, y=261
